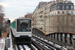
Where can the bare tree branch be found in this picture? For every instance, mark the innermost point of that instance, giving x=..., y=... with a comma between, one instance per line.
x=1, y=15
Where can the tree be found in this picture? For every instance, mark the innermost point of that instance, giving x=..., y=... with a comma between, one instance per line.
x=1, y=15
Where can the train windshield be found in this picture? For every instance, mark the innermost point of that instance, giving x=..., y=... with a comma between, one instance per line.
x=23, y=25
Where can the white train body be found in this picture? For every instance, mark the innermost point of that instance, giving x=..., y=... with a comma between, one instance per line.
x=21, y=28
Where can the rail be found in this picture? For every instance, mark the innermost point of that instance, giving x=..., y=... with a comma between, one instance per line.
x=63, y=39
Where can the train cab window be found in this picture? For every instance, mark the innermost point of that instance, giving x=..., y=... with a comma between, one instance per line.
x=23, y=25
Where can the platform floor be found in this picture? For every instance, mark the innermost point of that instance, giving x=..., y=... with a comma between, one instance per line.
x=2, y=43
x=2, y=40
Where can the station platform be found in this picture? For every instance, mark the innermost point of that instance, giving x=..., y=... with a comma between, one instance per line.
x=2, y=43
x=3, y=40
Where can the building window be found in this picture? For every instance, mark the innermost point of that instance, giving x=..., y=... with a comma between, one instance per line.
x=58, y=12
x=62, y=24
x=63, y=29
x=67, y=7
x=62, y=7
x=53, y=7
x=58, y=29
x=71, y=7
x=58, y=23
x=68, y=13
x=58, y=18
x=63, y=12
x=72, y=12
x=67, y=21
x=58, y=7
x=71, y=24
x=62, y=18
x=71, y=18
x=72, y=30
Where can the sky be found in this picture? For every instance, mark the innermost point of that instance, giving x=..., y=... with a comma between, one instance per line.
x=18, y=8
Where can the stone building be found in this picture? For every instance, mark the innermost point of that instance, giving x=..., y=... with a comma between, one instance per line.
x=29, y=15
x=55, y=16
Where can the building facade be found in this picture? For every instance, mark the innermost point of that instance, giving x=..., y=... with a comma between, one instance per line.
x=55, y=16
x=29, y=16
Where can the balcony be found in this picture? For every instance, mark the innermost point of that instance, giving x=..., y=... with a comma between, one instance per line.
x=62, y=12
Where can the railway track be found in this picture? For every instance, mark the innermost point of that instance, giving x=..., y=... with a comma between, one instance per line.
x=44, y=45
x=22, y=47
x=37, y=44
x=25, y=47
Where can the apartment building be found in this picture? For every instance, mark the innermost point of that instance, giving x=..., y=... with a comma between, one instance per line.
x=29, y=16
x=55, y=16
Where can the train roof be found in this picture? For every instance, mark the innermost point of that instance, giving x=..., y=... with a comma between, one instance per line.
x=20, y=18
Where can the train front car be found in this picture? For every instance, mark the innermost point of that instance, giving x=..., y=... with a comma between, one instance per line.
x=23, y=32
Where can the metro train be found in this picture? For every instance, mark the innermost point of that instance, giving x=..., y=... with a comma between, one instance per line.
x=21, y=31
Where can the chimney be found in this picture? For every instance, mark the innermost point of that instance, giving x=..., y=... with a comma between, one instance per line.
x=54, y=0
x=65, y=0
x=57, y=0
x=61, y=0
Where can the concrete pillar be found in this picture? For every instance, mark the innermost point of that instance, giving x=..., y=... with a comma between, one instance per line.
x=57, y=37
x=54, y=36
x=65, y=37
x=51, y=36
x=71, y=37
x=61, y=36
x=68, y=38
